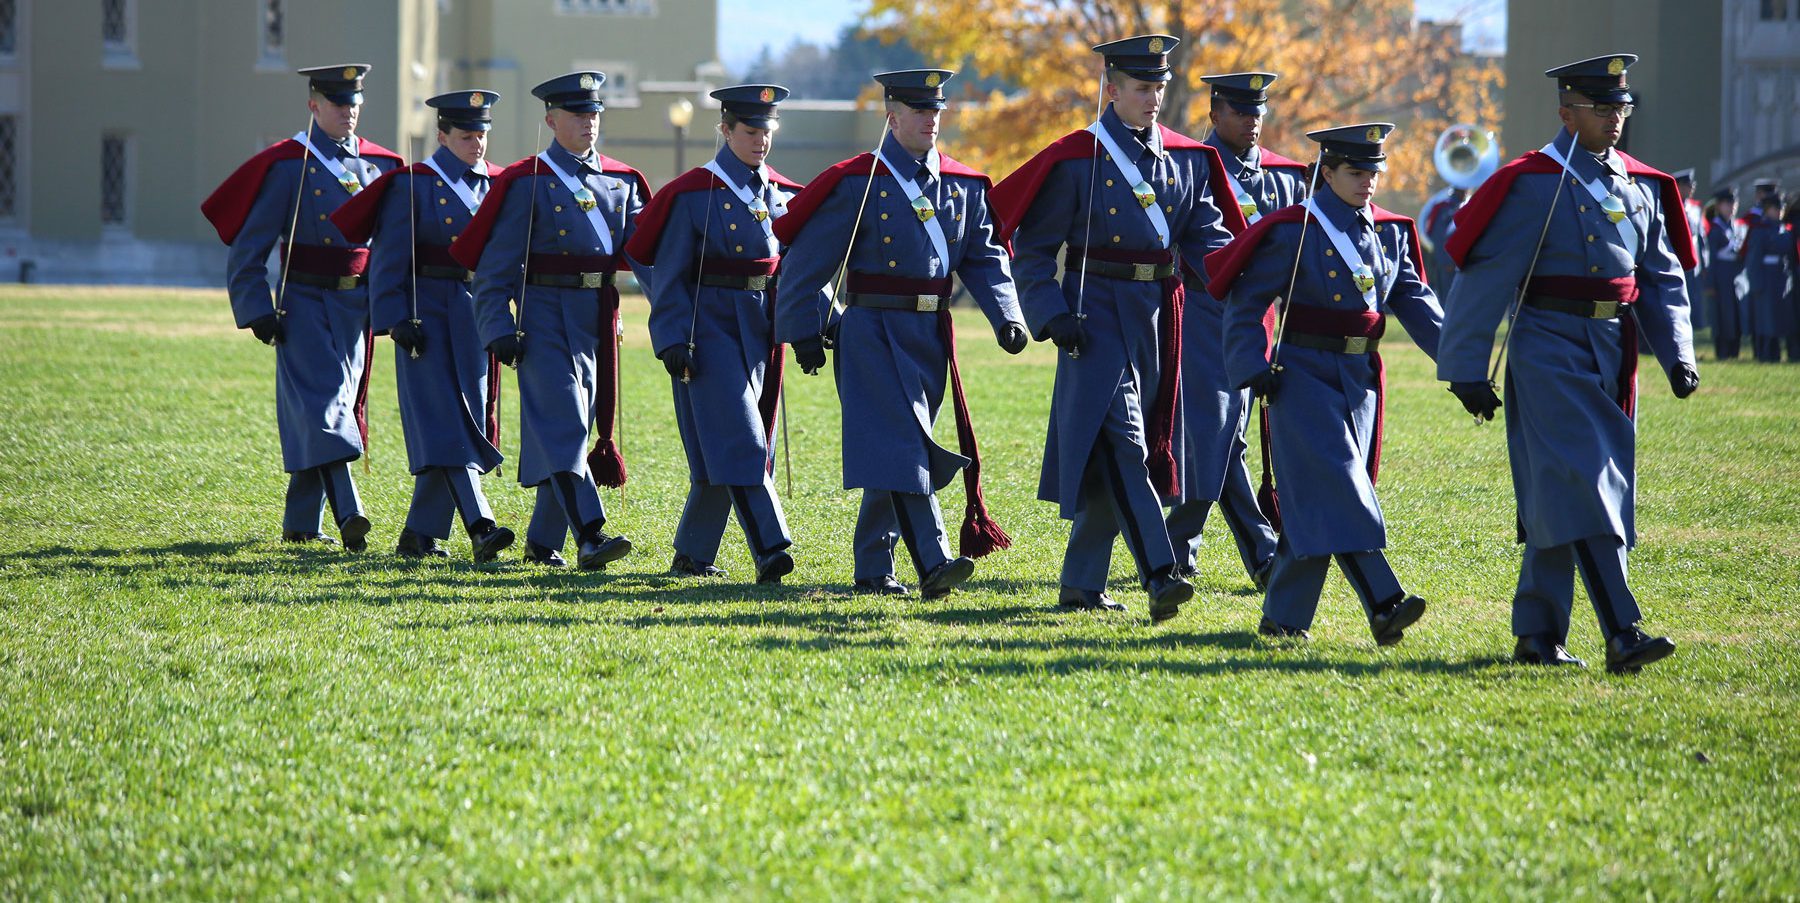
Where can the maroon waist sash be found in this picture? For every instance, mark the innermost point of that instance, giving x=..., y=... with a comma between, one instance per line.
x=1624, y=290
x=570, y=264
x=323, y=260
x=1325, y=321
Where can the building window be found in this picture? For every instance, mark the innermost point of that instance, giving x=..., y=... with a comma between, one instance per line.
x=606, y=7
x=115, y=165
x=273, y=46
x=9, y=28
x=9, y=158
x=1774, y=10
x=118, y=32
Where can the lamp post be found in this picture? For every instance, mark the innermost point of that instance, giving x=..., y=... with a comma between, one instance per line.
x=681, y=113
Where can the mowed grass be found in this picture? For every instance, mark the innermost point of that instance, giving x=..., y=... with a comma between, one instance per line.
x=190, y=708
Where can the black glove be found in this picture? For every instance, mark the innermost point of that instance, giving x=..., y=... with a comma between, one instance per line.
x=1477, y=398
x=831, y=332
x=678, y=361
x=1064, y=330
x=267, y=329
x=409, y=337
x=1684, y=379
x=507, y=350
x=1013, y=338
x=1264, y=383
x=809, y=353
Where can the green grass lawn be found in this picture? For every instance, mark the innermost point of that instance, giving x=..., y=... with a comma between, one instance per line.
x=190, y=708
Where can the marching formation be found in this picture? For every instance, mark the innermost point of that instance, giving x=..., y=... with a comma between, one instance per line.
x=1195, y=290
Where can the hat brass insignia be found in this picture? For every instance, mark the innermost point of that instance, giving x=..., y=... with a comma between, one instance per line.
x=1374, y=134
x=349, y=73
x=931, y=80
x=587, y=82
x=1615, y=67
x=767, y=95
x=1256, y=83
x=1156, y=45
x=477, y=99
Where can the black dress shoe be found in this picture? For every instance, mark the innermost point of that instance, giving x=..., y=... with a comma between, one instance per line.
x=777, y=565
x=685, y=566
x=301, y=536
x=1391, y=618
x=489, y=543
x=884, y=585
x=1269, y=628
x=1632, y=649
x=1087, y=600
x=544, y=555
x=1259, y=578
x=1166, y=592
x=418, y=545
x=1543, y=649
x=946, y=577
x=355, y=532
x=1186, y=571
x=602, y=550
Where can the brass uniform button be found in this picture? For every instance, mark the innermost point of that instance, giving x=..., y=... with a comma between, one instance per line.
x=1170, y=208
x=448, y=220
x=562, y=231
x=1590, y=238
x=1336, y=297
x=738, y=248
x=1113, y=210
x=892, y=264
x=558, y=208
x=1115, y=239
x=733, y=227
x=440, y=182
x=1109, y=181
x=884, y=216
x=443, y=201
x=727, y=205
x=1593, y=269
x=312, y=169
x=317, y=192
x=321, y=216
x=1331, y=274
x=328, y=241
x=884, y=192
x=887, y=239
x=1330, y=253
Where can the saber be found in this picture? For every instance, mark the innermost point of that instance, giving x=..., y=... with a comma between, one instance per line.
x=787, y=457
x=1282, y=304
x=287, y=253
x=1087, y=237
x=856, y=223
x=687, y=374
x=1512, y=314
x=530, y=220
x=412, y=227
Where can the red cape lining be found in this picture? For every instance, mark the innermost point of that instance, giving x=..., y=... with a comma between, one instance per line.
x=356, y=217
x=655, y=215
x=229, y=204
x=808, y=201
x=468, y=246
x=1226, y=264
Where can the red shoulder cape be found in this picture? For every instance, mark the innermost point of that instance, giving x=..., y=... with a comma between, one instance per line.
x=229, y=204
x=1015, y=193
x=1472, y=220
x=808, y=201
x=1226, y=264
x=468, y=247
x=655, y=215
x=356, y=217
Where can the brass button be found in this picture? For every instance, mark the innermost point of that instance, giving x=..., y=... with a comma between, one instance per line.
x=1112, y=210
x=1109, y=181
x=1331, y=274
x=959, y=217
x=1337, y=297
x=1590, y=238
x=884, y=216
x=892, y=264
x=733, y=227
x=312, y=169
x=954, y=193
x=887, y=239
x=1593, y=269
x=1330, y=253
x=1170, y=208
x=1115, y=239
x=738, y=248
x=453, y=238
x=321, y=216
x=328, y=241
x=440, y=182
x=562, y=231
x=883, y=193
x=448, y=220
x=317, y=192
x=1582, y=208
x=727, y=205
x=443, y=201
x=1171, y=180
x=558, y=208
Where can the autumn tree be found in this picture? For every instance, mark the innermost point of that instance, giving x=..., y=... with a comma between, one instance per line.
x=1341, y=62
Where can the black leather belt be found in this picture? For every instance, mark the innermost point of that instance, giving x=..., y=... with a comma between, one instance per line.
x=337, y=283
x=1342, y=344
x=1131, y=272
x=571, y=280
x=1593, y=310
x=918, y=303
x=436, y=272
x=752, y=283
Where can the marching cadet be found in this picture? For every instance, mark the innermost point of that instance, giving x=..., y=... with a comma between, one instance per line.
x=1130, y=199
x=449, y=385
x=901, y=221
x=1696, y=220
x=1769, y=268
x=1435, y=219
x=1339, y=262
x=551, y=248
x=318, y=315
x=1592, y=244
x=1214, y=412
x=1724, y=242
x=710, y=236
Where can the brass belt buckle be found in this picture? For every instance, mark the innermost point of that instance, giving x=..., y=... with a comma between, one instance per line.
x=1605, y=310
x=1356, y=344
x=593, y=280
x=346, y=283
x=1143, y=272
x=928, y=304
x=756, y=283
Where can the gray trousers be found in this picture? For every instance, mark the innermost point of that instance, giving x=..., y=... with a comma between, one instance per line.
x=890, y=517
x=566, y=502
x=308, y=492
x=1295, y=583
x=759, y=513
x=1116, y=498
x=1546, y=592
x=439, y=493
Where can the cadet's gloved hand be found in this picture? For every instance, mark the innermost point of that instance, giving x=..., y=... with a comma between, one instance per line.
x=678, y=361
x=809, y=353
x=507, y=349
x=1264, y=383
x=1477, y=398
x=1684, y=379
x=1064, y=331
x=409, y=336
x=268, y=329
x=1013, y=338
x=831, y=333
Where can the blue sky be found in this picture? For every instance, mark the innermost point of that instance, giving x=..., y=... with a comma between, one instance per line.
x=746, y=26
